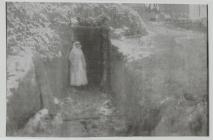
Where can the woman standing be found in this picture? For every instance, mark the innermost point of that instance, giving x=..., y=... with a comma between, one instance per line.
x=78, y=72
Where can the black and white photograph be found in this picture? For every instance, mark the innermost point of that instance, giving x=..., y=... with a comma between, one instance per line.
x=89, y=69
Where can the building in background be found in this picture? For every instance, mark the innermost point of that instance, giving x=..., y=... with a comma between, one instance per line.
x=184, y=11
x=197, y=12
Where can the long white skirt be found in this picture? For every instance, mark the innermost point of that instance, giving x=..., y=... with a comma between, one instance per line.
x=78, y=73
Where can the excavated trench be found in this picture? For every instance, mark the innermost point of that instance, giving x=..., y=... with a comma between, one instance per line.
x=121, y=99
x=99, y=110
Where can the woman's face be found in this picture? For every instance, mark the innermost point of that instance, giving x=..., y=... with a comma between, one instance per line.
x=78, y=45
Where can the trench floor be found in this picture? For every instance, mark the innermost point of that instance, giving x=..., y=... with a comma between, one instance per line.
x=83, y=113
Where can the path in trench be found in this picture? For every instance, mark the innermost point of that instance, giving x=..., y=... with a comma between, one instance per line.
x=83, y=113
x=87, y=113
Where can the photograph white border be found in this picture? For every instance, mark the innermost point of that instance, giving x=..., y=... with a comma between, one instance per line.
x=3, y=65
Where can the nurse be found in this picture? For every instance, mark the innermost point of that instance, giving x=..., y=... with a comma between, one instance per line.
x=78, y=72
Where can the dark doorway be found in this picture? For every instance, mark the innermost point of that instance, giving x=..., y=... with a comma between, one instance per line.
x=91, y=40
